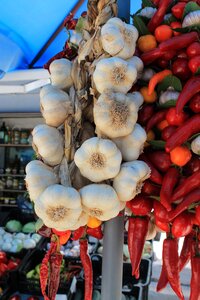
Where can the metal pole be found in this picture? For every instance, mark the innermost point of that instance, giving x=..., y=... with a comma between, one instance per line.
x=112, y=267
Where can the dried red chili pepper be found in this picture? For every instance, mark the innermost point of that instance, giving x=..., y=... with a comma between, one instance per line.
x=150, y=189
x=190, y=198
x=158, y=17
x=195, y=279
x=194, y=104
x=182, y=224
x=145, y=113
x=163, y=279
x=95, y=232
x=141, y=205
x=155, y=176
x=160, y=212
x=190, y=183
x=137, y=232
x=78, y=233
x=87, y=266
x=155, y=119
x=169, y=181
x=164, y=226
x=191, y=88
x=170, y=260
x=45, y=231
x=185, y=251
x=160, y=159
x=179, y=42
x=167, y=132
x=183, y=133
x=55, y=262
x=70, y=22
x=151, y=56
x=178, y=9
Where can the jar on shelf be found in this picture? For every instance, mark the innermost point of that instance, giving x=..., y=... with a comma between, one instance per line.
x=8, y=170
x=16, y=136
x=15, y=183
x=2, y=183
x=9, y=182
x=21, y=184
x=24, y=137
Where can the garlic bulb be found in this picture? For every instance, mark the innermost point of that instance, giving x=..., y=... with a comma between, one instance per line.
x=98, y=159
x=60, y=70
x=191, y=19
x=118, y=38
x=129, y=181
x=100, y=201
x=48, y=143
x=137, y=98
x=195, y=145
x=82, y=221
x=131, y=145
x=115, y=114
x=46, y=89
x=147, y=12
x=138, y=64
x=76, y=38
x=114, y=74
x=55, y=106
x=38, y=178
x=59, y=207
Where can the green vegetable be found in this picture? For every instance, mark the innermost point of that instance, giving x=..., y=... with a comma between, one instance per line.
x=29, y=227
x=13, y=226
x=37, y=269
x=30, y=274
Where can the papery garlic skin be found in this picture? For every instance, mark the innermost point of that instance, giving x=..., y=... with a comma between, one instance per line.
x=114, y=74
x=115, y=114
x=195, y=145
x=55, y=106
x=48, y=143
x=59, y=207
x=118, y=38
x=100, y=201
x=98, y=159
x=129, y=181
x=191, y=19
x=38, y=178
x=138, y=64
x=76, y=38
x=131, y=146
x=168, y=95
x=60, y=73
x=82, y=221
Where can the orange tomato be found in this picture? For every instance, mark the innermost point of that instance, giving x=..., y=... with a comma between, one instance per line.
x=65, y=237
x=180, y=156
x=163, y=124
x=147, y=43
x=148, y=98
x=163, y=33
x=93, y=222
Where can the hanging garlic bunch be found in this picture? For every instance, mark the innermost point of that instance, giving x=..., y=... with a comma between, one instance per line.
x=60, y=71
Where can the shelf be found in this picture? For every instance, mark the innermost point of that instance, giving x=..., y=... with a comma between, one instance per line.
x=13, y=191
x=16, y=145
x=8, y=205
x=12, y=175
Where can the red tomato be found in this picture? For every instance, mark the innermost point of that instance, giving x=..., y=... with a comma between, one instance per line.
x=141, y=205
x=175, y=25
x=163, y=33
x=178, y=9
x=193, y=49
x=194, y=64
x=160, y=212
x=167, y=132
x=175, y=119
x=180, y=68
x=182, y=225
x=195, y=103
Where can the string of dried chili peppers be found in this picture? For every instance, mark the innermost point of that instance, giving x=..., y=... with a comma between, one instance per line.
x=87, y=266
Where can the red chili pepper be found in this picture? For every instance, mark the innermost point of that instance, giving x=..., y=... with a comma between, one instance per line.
x=156, y=78
x=164, y=226
x=87, y=266
x=182, y=225
x=190, y=183
x=151, y=56
x=155, y=119
x=156, y=2
x=183, y=133
x=141, y=205
x=95, y=232
x=158, y=17
x=78, y=233
x=192, y=166
x=160, y=159
x=137, y=232
x=160, y=212
x=150, y=189
x=193, y=49
x=155, y=176
x=195, y=103
x=169, y=181
x=190, y=198
x=45, y=231
x=70, y=22
x=167, y=132
x=55, y=262
x=163, y=279
x=185, y=251
x=178, y=9
x=145, y=113
x=194, y=64
x=170, y=260
x=191, y=88
x=69, y=53
x=179, y=42
x=195, y=279
x=44, y=271
x=175, y=119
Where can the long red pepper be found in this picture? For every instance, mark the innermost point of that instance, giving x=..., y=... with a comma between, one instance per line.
x=190, y=198
x=160, y=212
x=155, y=119
x=87, y=266
x=169, y=181
x=158, y=17
x=163, y=279
x=55, y=262
x=170, y=260
x=191, y=88
x=195, y=279
x=95, y=232
x=141, y=205
x=150, y=189
x=183, y=133
x=160, y=159
x=155, y=176
x=78, y=233
x=190, y=183
x=179, y=42
x=150, y=56
x=137, y=232
x=185, y=251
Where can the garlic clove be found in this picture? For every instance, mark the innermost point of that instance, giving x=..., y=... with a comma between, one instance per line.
x=60, y=70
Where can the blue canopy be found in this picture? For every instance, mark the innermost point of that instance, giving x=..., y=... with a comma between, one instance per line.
x=33, y=29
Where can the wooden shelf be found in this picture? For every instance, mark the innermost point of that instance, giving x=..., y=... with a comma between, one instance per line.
x=12, y=175
x=8, y=205
x=13, y=191
x=16, y=145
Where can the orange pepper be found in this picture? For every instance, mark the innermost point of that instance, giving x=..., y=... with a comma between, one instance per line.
x=155, y=79
x=65, y=237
